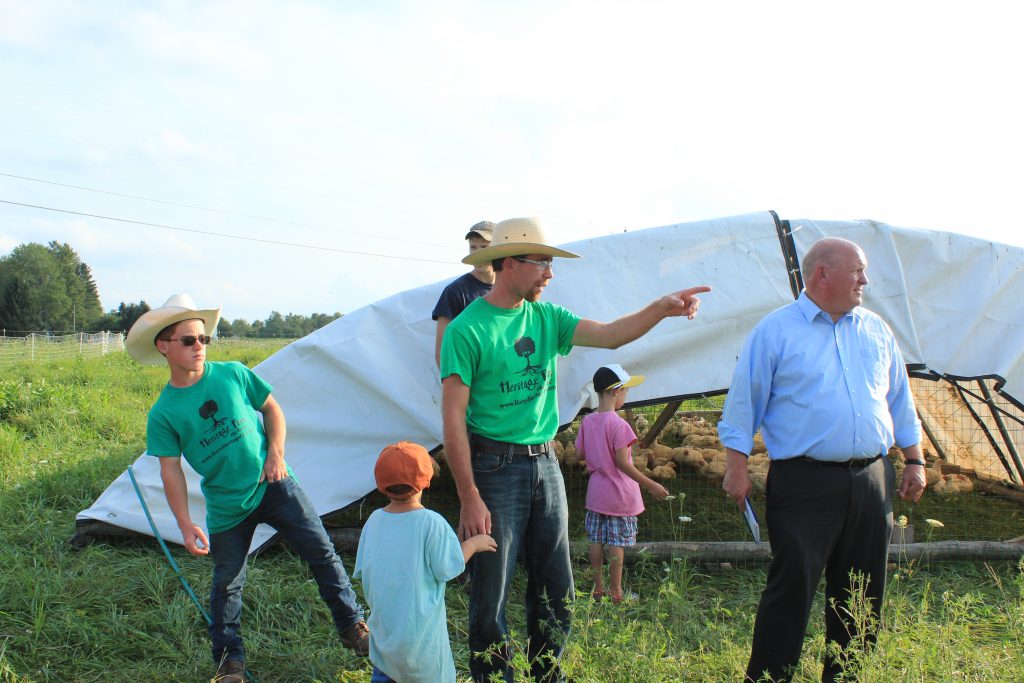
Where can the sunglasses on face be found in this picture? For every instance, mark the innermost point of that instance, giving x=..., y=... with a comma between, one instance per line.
x=190, y=340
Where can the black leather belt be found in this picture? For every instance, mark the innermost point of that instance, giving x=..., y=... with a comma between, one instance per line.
x=478, y=442
x=855, y=463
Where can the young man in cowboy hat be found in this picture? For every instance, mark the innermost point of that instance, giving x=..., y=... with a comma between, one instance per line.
x=460, y=292
x=499, y=419
x=207, y=412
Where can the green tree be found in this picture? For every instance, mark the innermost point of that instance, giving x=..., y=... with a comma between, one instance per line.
x=241, y=327
x=80, y=287
x=33, y=291
x=273, y=326
x=123, y=317
x=321, y=319
x=47, y=288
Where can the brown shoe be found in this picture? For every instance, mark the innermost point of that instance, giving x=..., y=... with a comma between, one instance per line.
x=231, y=671
x=357, y=637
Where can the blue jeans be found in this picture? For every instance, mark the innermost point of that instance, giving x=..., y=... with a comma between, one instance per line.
x=529, y=517
x=285, y=507
x=379, y=676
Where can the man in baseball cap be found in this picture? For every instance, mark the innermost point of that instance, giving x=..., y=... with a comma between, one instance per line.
x=460, y=292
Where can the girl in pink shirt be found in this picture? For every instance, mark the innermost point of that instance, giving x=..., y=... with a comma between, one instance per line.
x=605, y=442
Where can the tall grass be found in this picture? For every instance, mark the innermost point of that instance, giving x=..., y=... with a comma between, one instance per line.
x=114, y=611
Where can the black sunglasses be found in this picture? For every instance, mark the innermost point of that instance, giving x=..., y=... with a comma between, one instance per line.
x=190, y=340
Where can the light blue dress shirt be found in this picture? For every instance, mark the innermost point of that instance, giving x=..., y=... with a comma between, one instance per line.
x=831, y=391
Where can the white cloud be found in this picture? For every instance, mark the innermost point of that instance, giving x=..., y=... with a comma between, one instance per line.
x=413, y=121
x=171, y=145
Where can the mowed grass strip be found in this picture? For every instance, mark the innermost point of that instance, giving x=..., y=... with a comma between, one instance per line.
x=114, y=611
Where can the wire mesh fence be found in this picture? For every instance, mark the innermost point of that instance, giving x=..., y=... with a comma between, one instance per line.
x=42, y=347
x=46, y=347
x=974, y=493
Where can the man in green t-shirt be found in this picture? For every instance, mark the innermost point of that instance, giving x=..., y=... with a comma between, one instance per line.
x=500, y=410
x=207, y=413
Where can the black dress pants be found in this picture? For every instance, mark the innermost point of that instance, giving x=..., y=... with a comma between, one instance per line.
x=821, y=517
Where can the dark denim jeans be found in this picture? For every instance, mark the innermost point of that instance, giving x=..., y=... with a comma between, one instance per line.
x=379, y=676
x=529, y=518
x=285, y=507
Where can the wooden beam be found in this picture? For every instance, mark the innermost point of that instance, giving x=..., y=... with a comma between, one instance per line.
x=749, y=552
x=666, y=414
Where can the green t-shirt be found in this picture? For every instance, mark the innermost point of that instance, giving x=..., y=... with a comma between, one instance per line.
x=213, y=423
x=508, y=357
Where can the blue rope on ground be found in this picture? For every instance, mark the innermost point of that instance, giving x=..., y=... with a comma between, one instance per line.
x=167, y=554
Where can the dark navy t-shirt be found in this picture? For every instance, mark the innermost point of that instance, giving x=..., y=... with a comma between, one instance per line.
x=457, y=295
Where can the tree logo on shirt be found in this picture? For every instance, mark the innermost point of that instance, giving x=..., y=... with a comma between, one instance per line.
x=208, y=411
x=525, y=347
x=534, y=376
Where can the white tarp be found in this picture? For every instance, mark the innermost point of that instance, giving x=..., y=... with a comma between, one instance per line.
x=369, y=379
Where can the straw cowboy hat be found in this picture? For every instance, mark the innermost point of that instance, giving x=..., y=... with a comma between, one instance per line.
x=141, y=341
x=516, y=237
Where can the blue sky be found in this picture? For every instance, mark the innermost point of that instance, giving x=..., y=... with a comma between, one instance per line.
x=390, y=127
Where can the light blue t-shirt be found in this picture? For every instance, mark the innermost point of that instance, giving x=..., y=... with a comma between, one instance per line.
x=829, y=390
x=404, y=560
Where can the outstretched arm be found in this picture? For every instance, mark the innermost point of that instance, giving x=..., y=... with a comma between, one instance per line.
x=481, y=543
x=625, y=463
x=633, y=326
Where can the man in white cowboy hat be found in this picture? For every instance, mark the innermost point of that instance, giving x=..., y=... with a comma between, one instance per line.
x=207, y=412
x=499, y=418
x=461, y=291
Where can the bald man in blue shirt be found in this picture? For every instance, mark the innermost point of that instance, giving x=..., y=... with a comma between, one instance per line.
x=825, y=382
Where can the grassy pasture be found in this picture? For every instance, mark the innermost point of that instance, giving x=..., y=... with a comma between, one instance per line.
x=114, y=611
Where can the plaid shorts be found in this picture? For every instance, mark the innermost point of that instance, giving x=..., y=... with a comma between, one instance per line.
x=609, y=530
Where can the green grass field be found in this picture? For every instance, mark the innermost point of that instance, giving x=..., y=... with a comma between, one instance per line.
x=114, y=611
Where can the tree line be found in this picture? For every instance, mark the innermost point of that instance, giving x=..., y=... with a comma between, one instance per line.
x=49, y=289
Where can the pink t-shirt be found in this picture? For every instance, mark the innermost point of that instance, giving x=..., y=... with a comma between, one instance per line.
x=610, y=491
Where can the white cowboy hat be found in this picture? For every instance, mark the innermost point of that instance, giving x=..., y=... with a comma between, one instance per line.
x=141, y=341
x=516, y=237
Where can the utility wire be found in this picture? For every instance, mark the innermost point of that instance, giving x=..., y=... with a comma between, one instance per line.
x=220, y=211
x=221, y=234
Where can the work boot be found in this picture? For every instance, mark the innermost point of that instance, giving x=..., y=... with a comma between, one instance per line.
x=231, y=671
x=357, y=638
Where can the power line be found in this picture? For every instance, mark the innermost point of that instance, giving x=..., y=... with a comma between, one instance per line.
x=220, y=211
x=221, y=234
